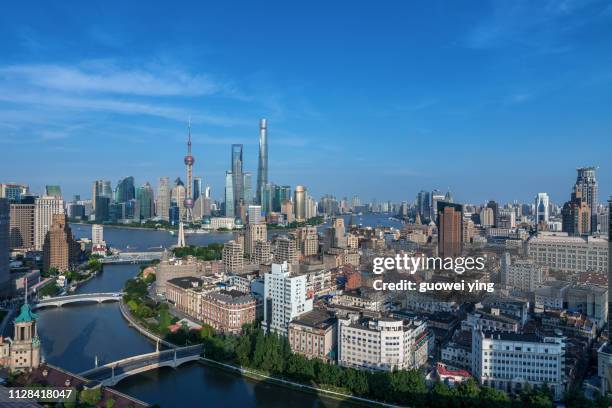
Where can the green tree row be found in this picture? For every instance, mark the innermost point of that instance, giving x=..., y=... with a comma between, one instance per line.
x=206, y=253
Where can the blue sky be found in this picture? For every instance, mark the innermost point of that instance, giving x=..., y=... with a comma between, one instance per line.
x=381, y=99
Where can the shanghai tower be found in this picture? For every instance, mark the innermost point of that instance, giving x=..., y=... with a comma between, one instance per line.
x=262, y=168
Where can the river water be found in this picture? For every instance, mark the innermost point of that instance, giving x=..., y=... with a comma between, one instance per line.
x=74, y=335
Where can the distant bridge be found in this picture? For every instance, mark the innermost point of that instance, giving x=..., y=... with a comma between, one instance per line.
x=132, y=258
x=59, y=301
x=110, y=374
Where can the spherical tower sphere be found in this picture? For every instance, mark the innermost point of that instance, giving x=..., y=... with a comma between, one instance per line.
x=189, y=160
x=188, y=203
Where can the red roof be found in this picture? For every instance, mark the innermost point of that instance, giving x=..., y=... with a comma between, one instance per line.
x=442, y=370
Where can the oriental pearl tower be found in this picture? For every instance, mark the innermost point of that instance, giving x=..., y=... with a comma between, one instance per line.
x=189, y=160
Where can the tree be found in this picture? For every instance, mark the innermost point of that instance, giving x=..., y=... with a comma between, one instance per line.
x=110, y=403
x=491, y=397
x=243, y=350
x=91, y=396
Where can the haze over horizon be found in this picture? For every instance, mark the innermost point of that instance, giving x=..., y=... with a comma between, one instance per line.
x=491, y=99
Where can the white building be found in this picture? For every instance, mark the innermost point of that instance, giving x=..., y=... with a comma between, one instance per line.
x=381, y=343
x=523, y=275
x=569, y=254
x=222, y=222
x=254, y=214
x=507, y=361
x=44, y=209
x=97, y=234
x=285, y=298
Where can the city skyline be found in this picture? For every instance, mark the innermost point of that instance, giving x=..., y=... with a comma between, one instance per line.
x=421, y=98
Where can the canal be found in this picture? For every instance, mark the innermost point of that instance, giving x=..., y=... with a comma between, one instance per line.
x=73, y=336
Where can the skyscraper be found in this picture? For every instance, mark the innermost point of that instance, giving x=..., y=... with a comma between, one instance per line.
x=450, y=229
x=21, y=234
x=587, y=184
x=197, y=188
x=144, y=196
x=13, y=192
x=45, y=208
x=436, y=196
x=576, y=214
x=262, y=168
x=237, y=177
x=247, y=188
x=162, y=202
x=229, y=195
x=53, y=191
x=125, y=191
x=4, y=241
x=178, y=196
x=423, y=206
x=60, y=249
x=495, y=207
x=188, y=199
x=300, y=203
x=609, y=267
x=101, y=188
x=541, y=208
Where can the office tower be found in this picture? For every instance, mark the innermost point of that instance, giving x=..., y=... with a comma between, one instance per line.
x=75, y=211
x=311, y=207
x=207, y=192
x=254, y=214
x=308, y=241
x=21, y=234
x=174, y=213
x=44, y=209
x=237, y=177
x=495, y=208
x=144, y=196
x=60, y=250
x=300, y=204
x=610, y=267
x=287, y=211
x=197, y=188
x=285, y=250
x=97, y=234
x=587, y=184
x=102, y=212
x=101, y=188
x=541, y=209
x=285, y=298
x=267, y=198
x=125, y=191
x=13, y=192
x=247, y=188
x=450, y=229
x=576, y=214
x=254, y=233
x=448, y=197
x=162, y=202
x=229, y=195
x=262, y=167
x=487, y=219
x=435, y=197
x=53, y=191
x=423, y=205
x=178, y=195
x=5, y=222
x=188, y=199
x=355, y=202
x=233, y=257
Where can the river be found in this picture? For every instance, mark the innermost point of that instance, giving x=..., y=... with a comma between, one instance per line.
x=72, y=337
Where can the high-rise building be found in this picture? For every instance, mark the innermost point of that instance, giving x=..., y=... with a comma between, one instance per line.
x=254, y=233
x=285, y=298
x=247, y=188
x=435, y=197
x=263, y=251
x=495, y=208
x=102, y=212
x=237, y=177
x=188, y=200
x=13, y=192
x=44, y=209
x=487, y=217
x=267, y=198
x=21, y=235
x=233, y=257
x=541, y=208
x=4, y=241
x=144, y=197
x=60, y=249
x=254, y=214
x=450, y=229
x=285, y=250
x=125, y=191
x=97, y=234
x=178, y=195
x=162, y=202
x=300, y=204
x=262, y=167
x=229, y=195
x=53, y=191
x=576, y=214
x=197, y=187
x=610, y=268
x=587, y=184
x=101, y=188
